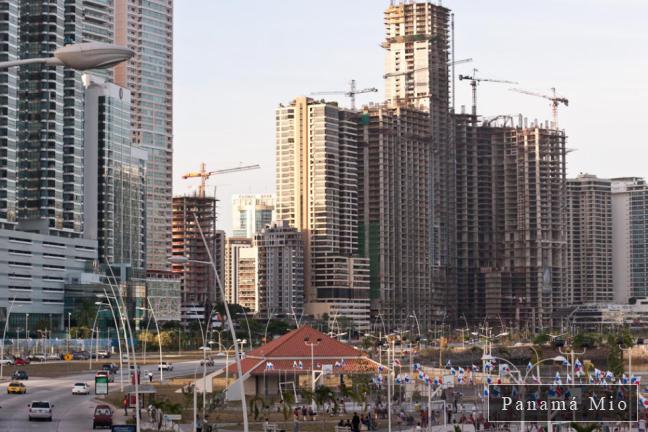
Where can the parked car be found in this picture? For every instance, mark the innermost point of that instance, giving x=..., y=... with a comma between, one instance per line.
x=20, y=375
x=53, y=356
x=81, y=355
x=103, y=354
x=7, y=361
x=209, y=362
x=16, y=388
x=102, y=417
x=41, y=410
x=37, y=357
x=21, y=361
x=165, y=366
x=80, y=389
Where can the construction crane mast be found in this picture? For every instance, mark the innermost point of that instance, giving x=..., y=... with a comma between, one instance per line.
x=473, y=83
x=351, y=93
x=204, y=175
x=555, y=101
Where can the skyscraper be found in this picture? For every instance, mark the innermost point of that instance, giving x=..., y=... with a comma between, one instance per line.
x=114, y=176
x=8, y=106
x=280, y=270
x=629, y=238
x=511, y=222
x=317, y=193
x=395, y=207
x=250, y=214
x=590, y=239
x=416, y=66
x=40, y=195
x=146, y=26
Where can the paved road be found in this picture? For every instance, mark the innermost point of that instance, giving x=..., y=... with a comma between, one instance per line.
x=71, y=413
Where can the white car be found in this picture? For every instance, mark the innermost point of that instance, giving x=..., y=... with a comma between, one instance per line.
x=80, y=389
x=165, y=366
x=7, y=361
x=41, y=410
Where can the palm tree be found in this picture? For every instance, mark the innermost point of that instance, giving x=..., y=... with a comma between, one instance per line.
x=587, y=427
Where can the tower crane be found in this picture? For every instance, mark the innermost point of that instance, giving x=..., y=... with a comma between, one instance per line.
x=395, y=74
x=555, y=101
x=473, y=83
x=204, y=175
x=351, y=93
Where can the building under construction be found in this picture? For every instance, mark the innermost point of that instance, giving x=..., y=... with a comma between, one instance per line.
x=417, y=58
x=198, y=282
x=395, y=213
x=511, y=221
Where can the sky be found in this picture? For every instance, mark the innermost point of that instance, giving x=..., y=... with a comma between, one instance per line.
x=236, y=60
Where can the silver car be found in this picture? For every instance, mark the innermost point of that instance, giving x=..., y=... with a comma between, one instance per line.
x=41, y=410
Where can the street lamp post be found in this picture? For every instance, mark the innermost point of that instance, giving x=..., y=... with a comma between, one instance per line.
x=69, y=332
x=312, y=346
x=126, y=326
x=157, y=328
x=81, y=56
x=119, y=343
x=181, y=260
x=4, y=334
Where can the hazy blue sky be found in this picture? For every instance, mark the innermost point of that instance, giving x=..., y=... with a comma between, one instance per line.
x=235, y=60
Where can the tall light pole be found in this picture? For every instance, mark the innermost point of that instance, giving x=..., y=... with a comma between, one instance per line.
x=4, y=334
x=69, y=331
x=126, y=325
x=183, y=260
x=81, y=56
x=157, y=328
x=312, y=346
x=119, y=346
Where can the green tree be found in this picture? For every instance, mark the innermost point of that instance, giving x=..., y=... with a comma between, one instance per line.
x=587, y=427
x=541, y=339
x=615, y=360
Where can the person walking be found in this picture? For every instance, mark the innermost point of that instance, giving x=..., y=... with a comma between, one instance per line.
x=355, y=423
x=125, y=405
x=150, y=376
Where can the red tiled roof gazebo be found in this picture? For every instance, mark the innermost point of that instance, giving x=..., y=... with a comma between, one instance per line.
x=286, y=358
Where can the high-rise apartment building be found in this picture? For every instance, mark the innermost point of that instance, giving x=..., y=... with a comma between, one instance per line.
x=511, y=222
x=250, y=214
x=590, y=240
x=191, y=215
x=247, y=289
x=280, y=262
x=233, y=246
x=114, y=176
x=416, y=75
x=396, y=206
x=629, y=238
x=10, y=48
x=317, y=193
x=146, y=26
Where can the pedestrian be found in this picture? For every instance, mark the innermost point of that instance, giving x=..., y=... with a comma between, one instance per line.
x=418, y=427
x=150, y=376
x=355, y=423
x=304, y=412
x=125, y=405
x=198, y=424
x=296, y=424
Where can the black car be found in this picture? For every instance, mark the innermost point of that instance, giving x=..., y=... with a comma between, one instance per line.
x=81, y=355
x=110, y=367
x=20, y=375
